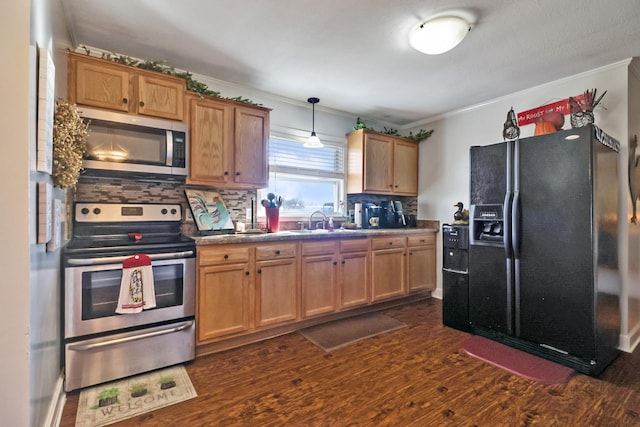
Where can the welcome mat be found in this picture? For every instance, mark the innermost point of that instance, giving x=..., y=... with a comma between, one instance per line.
x=515, y=361
x=340, y=333
x=118, y=400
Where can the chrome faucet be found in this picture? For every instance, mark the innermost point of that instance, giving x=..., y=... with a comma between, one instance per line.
x=324, y=218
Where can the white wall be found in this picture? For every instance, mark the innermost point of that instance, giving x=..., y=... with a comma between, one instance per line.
x=444, y=158
x=632, y=325
x=30, y=283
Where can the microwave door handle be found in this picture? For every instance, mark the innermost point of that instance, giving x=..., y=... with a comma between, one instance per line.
x=119, y=259
x=169, y=154
x=172, y=329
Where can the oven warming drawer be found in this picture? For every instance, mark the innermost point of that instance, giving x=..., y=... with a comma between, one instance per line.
x=112, y=357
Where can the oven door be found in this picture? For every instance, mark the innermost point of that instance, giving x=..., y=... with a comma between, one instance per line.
x=91, y=295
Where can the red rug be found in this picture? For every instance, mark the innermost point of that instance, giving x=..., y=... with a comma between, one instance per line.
x=515, y=361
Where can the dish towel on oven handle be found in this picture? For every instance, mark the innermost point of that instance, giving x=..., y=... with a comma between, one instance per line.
x=136, y=288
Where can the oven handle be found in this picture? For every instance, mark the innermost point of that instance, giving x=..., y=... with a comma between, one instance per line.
x=118, y=259
x=89, y=347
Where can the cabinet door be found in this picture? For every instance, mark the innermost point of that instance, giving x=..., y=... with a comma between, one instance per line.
x=388, y=273
x=405, y=168
x=211, y=142
x=99, y=85
x=276, y=291
x=354, y=279
x=421, y=261
x=378, y=153
x=421, y=266
x=223, y=300
x=251, y=139
x=161, y=97
x=318, y=284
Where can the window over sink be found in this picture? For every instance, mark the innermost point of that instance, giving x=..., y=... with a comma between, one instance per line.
x=307, y=179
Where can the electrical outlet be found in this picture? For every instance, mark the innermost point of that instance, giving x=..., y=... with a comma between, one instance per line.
x=248, y=214
x=187, y=215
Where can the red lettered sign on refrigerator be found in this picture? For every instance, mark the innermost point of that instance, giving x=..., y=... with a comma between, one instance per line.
x=530, y=116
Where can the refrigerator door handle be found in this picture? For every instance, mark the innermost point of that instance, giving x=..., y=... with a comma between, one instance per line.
x=506, y=227
x=515, y=224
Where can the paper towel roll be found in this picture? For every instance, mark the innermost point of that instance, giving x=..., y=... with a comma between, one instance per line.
x=357, y=214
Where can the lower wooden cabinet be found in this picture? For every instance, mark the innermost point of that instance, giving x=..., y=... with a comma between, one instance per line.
x=388, y=267
x=276, y=283
x=249, y=288
x=421, y=262
x=224, y=292
x=318, y=277
x=354, y=275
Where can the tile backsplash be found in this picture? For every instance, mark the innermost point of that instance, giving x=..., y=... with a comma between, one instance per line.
x=130, y=190
x=125, y=190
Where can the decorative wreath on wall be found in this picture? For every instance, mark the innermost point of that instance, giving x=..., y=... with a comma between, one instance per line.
x=69, y=144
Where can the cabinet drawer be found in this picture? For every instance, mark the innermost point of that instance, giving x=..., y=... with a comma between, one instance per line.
x=225, y=255
x=318, y=248
x=354, y=245
x=387, y=242
x=273, y=251
x=422, y=239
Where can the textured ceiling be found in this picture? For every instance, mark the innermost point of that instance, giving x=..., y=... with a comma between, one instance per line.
x=354, y=54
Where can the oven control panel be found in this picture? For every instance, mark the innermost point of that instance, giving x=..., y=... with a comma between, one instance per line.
x=116, y=212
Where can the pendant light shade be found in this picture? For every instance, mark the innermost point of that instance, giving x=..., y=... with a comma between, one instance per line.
x=439, y=35
x=313, y=141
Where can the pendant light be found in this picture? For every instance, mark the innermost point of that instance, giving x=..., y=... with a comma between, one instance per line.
x=313, y=141
x=439, y=35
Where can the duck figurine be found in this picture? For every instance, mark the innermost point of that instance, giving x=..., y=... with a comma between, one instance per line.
x=461, y=216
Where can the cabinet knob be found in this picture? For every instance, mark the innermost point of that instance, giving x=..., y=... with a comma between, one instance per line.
x=226, y=172
x=226, y=256
x=335, y=262
x=259, y=271
x=142, y=103
x=125, y=101
x=237, y=173
x=277, y=252
x=246, y=273
x=344, y=262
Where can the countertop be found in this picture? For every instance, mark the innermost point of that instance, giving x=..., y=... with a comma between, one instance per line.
x=219, y=239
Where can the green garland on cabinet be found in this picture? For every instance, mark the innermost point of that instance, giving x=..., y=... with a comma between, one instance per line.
x=161, y=67
x=420, y=136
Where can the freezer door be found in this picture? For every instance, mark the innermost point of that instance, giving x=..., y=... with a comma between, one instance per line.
x=490, y=264
x=554, y=288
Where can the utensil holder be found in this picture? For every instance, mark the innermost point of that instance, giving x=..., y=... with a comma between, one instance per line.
x=273, y=219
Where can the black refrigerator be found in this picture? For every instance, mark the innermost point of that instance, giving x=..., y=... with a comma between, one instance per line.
x=543, y=259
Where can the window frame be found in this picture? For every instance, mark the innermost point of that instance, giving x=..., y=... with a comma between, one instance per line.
x=300, y=136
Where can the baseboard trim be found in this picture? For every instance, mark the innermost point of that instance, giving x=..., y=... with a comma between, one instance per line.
x=58, y=400
x=628, y=342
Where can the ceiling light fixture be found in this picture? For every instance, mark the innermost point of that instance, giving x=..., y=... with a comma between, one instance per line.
x=313, y=141
x=439, y=35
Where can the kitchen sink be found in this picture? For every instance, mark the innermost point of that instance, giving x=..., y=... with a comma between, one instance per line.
x=320, y=231
x=317, y=231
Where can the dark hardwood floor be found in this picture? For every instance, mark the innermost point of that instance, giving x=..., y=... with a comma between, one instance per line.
x=415, y=376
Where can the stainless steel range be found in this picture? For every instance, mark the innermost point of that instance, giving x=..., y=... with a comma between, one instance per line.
x=99, y=344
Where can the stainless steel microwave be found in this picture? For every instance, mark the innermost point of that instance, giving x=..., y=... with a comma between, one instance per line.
x=130, y=143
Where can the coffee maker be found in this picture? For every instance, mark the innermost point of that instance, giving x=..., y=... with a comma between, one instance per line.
x=371, y=215
x=393, y=215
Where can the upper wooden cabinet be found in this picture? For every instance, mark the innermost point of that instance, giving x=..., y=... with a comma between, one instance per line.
x=381, y=164
x=228, y=144
x=105, y=84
